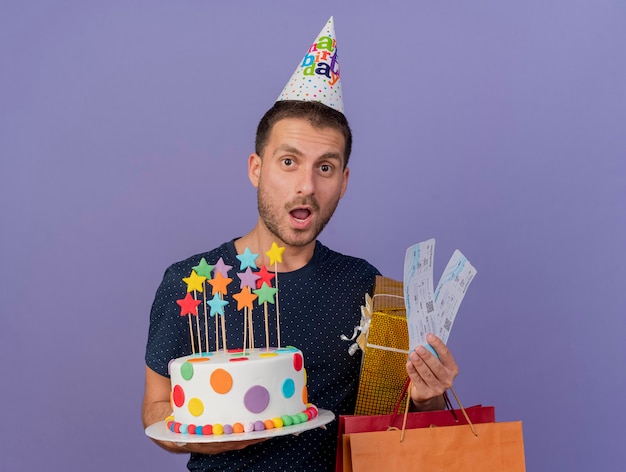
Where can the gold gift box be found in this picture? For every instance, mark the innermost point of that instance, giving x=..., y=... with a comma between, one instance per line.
x=384, y=340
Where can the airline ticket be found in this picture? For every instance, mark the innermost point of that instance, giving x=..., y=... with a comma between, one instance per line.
x=428, y=310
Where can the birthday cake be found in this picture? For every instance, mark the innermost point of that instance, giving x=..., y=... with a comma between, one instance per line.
x=235, y=392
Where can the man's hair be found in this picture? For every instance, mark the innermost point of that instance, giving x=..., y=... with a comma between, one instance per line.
x=316, y=113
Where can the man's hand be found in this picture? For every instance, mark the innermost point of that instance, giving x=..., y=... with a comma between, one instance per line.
x=209, y=448
x=430, y=376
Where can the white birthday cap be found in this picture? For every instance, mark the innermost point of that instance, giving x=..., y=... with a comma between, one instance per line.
x=317, y=77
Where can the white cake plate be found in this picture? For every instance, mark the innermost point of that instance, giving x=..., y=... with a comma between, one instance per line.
x=159, y=431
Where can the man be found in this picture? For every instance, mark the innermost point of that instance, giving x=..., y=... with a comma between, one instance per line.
x=300, y=170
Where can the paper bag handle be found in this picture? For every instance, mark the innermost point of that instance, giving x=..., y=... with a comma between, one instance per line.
x=405, y=389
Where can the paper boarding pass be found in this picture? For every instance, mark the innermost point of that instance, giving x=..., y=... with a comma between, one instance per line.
x=418, y=292
x=428, y=311
x=450, y=291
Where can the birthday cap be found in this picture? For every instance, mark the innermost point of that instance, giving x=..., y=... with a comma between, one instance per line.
x=316, y=79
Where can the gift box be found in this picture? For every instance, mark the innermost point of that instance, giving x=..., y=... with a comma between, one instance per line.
x=384, y=341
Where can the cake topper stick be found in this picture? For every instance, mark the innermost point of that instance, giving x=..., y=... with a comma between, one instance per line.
x=217, y=304
x=198, y=326
x=266, y=294
x=204, y=269
x=251, y=327
x=247, y=261
x=267, y=327
x=276, y=255
x=245, y=298
x=223, y=333
x=277, y=312
x=206, y=323
x=217, y=334
x=194, y=283
x=265, y=278
x=193, y=344
x=245, y=329
x=248, y=281
x=189, y=306
x=219, y=284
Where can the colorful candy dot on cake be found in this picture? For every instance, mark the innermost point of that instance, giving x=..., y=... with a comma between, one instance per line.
x=238, y=359
x=298, y=361
x=256, y=399
x=248, y=427
x=191, y=429
x=221, y=381
x=269, y=424
x=259, y=425
x=177, y=427
x=286, y=349
x=198, y=360
x=238, y=428
x=186, y=370
x=287, y=421
x=228, y=429
x=218, y=429
x=303, y=417
x=207, y=430
x=278, y=422
x=196, y=407
x=183, y=429
x=178, y=396
x=289, y=388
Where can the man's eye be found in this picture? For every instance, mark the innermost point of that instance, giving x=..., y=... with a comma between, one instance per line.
x=326, y=168
x=287, y=162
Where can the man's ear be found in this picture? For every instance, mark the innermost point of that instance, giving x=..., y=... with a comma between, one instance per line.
x=254, y=168
x=344, y=187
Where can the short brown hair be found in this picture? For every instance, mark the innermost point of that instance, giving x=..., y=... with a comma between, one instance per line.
x=316, y=113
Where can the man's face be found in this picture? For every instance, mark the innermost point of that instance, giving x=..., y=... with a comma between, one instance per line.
x=300, y=179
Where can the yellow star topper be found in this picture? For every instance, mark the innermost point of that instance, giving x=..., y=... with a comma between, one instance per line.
x=275, y=254
x=194, y=282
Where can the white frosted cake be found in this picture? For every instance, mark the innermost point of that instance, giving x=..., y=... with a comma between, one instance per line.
x=232, y=392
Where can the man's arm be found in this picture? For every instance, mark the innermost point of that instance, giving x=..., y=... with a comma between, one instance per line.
x=430, y=376
x=156, y=407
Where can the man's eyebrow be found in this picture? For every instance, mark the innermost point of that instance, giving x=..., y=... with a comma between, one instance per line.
x=332, y=155
x=287, y=148
x=296, y=152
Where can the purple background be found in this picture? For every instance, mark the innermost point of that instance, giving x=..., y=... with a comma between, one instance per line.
x=497, y=127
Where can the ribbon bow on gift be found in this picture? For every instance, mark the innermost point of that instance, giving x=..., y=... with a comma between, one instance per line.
x=362, y=329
